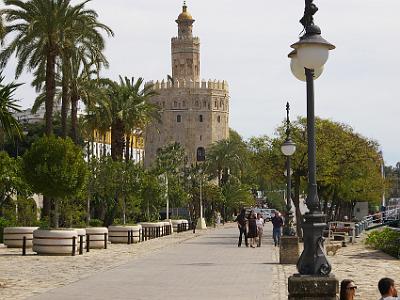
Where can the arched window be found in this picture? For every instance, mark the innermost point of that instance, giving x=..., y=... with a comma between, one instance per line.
x=201, y=154
x=178, y=118
x=197, y=103
x=201, y=118
x=175, y=104
x=219, y=119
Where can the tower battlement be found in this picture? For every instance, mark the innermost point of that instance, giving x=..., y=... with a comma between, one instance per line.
x=194, y=39
x=183, y=84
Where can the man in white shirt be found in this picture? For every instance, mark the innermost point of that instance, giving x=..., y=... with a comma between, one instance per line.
x=387, y=289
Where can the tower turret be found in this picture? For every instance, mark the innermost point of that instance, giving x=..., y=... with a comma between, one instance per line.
x=185, y=49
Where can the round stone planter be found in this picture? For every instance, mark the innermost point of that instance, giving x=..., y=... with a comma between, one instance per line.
x=166, y=228
x=180, y=225
x=119, y=234
x=81, y=233
x=97, y=237
x=55, y=242
x=151, y=230
x=13, y=236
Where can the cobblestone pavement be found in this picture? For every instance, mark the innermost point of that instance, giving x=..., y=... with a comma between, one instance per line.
x=208, y=267
x=364, y=266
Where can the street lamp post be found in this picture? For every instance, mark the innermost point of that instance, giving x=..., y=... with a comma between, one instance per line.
x=288, y=148
x=201, y=222
x=289, y=245
x=310, y=54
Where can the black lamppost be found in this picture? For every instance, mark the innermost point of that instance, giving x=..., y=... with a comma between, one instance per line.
x=309, y=56
x=288, y=148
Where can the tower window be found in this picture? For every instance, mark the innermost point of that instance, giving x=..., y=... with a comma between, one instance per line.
x=201, y=137
x=178, y=118
x=215, y=103
x=184, y=103
x=197, y=103
x=201, y=118
x=175, y=104
x=204, y=103
x=201, y=154
x=219, y=119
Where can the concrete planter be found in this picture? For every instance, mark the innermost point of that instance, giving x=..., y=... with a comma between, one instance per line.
x=13, y=236
x=55, y=242
x=152, y=230
x=81, y=233
x=182, y=225
x=97, y=238
x=119, y=234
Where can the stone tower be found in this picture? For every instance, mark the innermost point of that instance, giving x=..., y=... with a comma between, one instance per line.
x=194, y=112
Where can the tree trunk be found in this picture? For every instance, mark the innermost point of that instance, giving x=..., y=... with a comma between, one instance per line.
x=50, y=91
x=296, y=202
x=127, y=147
x=117, y=139
x=74, y=117
x=64, y=100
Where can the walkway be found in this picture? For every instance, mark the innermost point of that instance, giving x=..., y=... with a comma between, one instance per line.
x=210, y=266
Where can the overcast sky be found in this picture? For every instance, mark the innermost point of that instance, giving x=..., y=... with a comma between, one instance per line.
x=247, y=42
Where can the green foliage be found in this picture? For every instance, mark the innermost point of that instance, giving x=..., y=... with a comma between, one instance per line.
x=8, y=104
x=4, y=223
x=387, y=240
x=55, y=167
x=12, y=182
x=95, y=223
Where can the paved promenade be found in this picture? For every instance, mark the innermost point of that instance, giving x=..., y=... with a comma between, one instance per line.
x=210, y=266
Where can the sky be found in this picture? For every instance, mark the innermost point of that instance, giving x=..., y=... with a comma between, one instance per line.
x=247, y=42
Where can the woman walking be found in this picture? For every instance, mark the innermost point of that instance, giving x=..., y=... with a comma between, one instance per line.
x=260, y=228
x=252, y=234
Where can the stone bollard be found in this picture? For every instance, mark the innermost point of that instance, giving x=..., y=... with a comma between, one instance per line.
x=308, y=287
x=289, y=250
x=357, y=230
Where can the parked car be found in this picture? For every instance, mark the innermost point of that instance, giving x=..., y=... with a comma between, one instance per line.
x=266, y=213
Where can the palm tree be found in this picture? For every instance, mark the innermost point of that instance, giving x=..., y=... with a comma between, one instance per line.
x=127, y=106
x=8, y=124
x=36, y=24
x=225, y=157
x=44, y=30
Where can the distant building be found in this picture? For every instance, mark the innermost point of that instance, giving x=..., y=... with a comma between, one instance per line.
x=194, y=112
x=99, y=145
x=27, y=117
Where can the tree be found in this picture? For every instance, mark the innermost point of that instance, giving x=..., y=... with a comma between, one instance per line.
x=125, y=106
x=11, y=181
x=44, y=30
x=227, y=157
x=55, y=167
x=8, y=124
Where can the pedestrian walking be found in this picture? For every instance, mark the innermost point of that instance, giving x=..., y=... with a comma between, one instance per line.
x=277, y=223
x=260, y=228
x=387, y=289
x=252, y=234
x=242, y=225
x=347, y=290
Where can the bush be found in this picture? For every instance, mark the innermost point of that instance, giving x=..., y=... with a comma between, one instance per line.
x=387, y=240
x=4, y=223
x=95, y=223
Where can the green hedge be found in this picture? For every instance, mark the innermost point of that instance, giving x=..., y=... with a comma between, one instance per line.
x=386, y=240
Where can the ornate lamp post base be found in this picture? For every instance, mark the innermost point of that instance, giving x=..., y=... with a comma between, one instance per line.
x=201, y=223
x=311, y=287
x=289, y=250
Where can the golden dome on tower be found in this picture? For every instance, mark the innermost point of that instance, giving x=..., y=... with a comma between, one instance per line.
x=185, y=15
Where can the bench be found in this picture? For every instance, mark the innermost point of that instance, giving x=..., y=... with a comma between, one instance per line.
x=345, y=230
